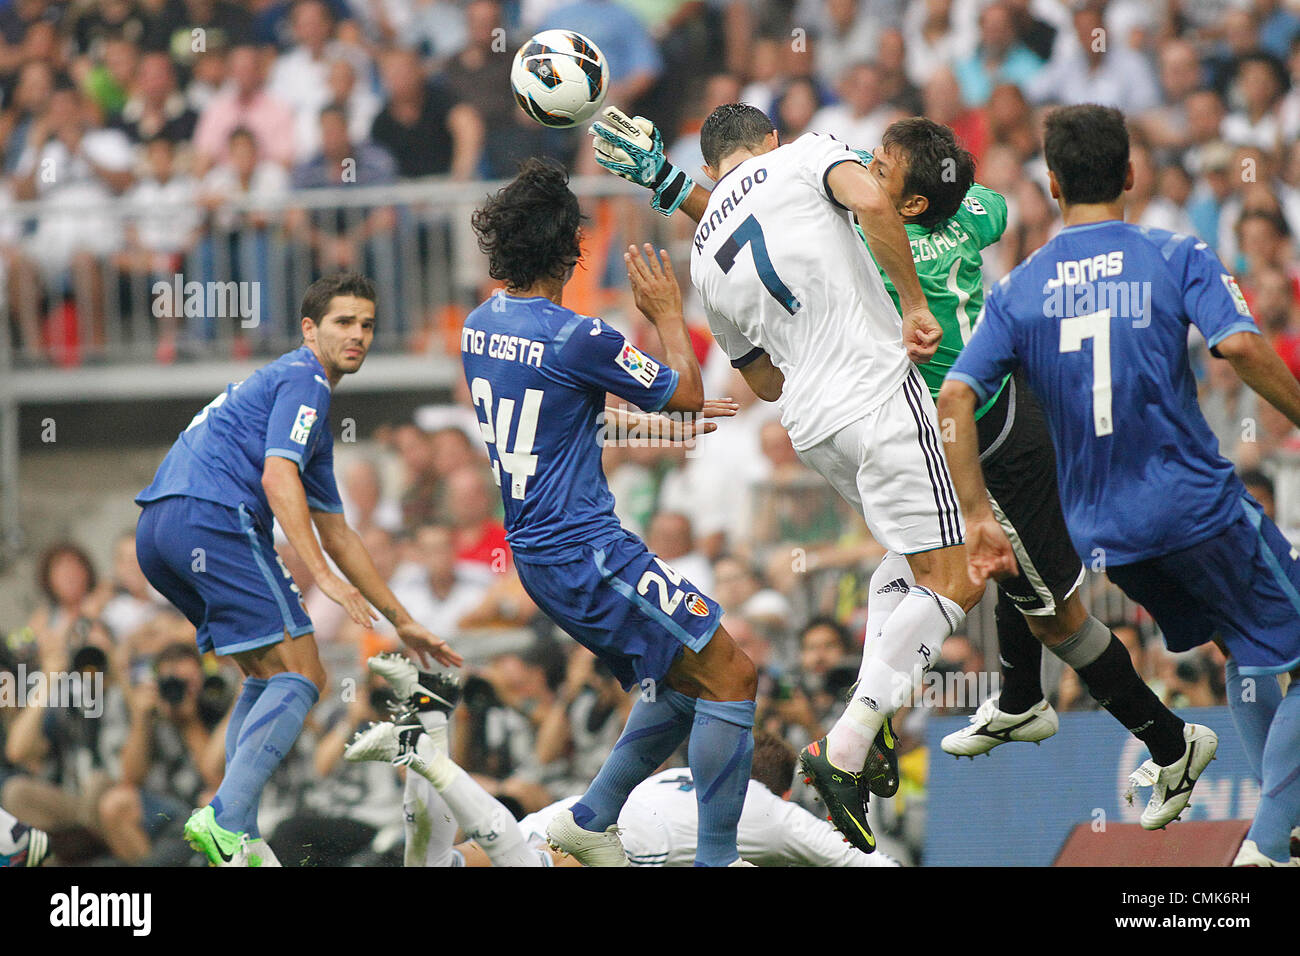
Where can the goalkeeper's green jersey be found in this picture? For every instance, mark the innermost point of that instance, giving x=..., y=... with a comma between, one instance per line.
x=949, y=262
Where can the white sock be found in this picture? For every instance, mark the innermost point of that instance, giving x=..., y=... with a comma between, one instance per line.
x=434, y=723
x=481, y=816
x=260, y=847
x=891, y=668
x=890, y=583
x=429, y=823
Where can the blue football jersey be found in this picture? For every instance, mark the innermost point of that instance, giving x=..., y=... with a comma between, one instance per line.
x=538, y=374
x=281, y=410
x=1098, y=319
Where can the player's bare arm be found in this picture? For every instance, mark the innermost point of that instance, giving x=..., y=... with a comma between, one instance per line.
x=621, y=419
x=288, y=500
x=882, y=227
x=659, y=297
x=1254, y=360
x=764, y=378
x=988, y=552
x=345, y=547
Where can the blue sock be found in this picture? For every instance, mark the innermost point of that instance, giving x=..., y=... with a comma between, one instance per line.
x=1279, y=799
x=270, y=728
x=1252, y=707
x=654, y=730
x=253, y=687
x=722, y=749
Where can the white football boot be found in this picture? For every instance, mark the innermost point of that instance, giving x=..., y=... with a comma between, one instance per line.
x=990, y=727
x=1171, y=786
x=587, y=847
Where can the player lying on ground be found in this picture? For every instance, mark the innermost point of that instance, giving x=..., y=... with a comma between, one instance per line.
x=538, y=375
x=950, y=219
x=1142, y=483
x=262, y=451
x=658, y=824
x=21, y=845
x=805, y=315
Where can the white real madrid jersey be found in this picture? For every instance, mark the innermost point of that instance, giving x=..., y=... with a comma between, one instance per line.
x=780, y=268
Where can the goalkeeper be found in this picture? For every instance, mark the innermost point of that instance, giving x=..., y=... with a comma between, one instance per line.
x=950, y=219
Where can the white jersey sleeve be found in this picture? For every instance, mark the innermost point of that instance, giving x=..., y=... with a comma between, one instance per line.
x=740, y=351
x=818, y=155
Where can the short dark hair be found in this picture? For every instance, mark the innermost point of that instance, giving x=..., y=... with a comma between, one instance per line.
x=938, y=168
x=529, y=228
x=1086, y=146
x=178, y=651
x=773, y=764
x=319, y=295
x=841, y=632
x=52, y=554
x=730, y=127
x=1255, y=477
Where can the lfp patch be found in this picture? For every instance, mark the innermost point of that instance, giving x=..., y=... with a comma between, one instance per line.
x=636, y=363
x=302, y=424
x=1234, y=290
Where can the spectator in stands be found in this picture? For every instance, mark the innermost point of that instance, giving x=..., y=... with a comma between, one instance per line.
x=134, y=603
x=69, y=617
x=1000, y=57
x=163, y=230
x=73, y=743
x=581, y=725
x=69, y=164
x=845, y=34
x=445, y=588
x=422, y=127
x=671, y=537
x=471, y=505
x=172, y=723
x=1096, y=68
x=827, y=664
x=1257, y=87
x=155, y=107
x=862, y=114
x=1166, y=123
x=634, y=60
x=478, y=79
x=301, y=76
x=245, y=101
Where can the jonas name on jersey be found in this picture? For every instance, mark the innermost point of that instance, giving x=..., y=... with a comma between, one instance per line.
x=1083, y=286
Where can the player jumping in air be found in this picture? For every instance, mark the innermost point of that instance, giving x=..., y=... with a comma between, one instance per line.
x=1098, y=319
x=262, y=450
x=538, y=375
x=798, y=305
x=950, y=219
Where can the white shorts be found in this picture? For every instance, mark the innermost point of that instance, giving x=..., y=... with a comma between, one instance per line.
x=889, y=465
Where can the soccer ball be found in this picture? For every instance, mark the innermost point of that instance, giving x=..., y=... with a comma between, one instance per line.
x=559, y=78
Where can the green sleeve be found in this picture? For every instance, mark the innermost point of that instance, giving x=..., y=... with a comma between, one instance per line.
x=984, y=213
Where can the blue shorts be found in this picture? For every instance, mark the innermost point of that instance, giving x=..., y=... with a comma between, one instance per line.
x=219, y=567
x=1242, y=584
x=623, y=604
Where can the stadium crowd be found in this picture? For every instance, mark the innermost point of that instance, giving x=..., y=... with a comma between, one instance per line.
x=226, y=105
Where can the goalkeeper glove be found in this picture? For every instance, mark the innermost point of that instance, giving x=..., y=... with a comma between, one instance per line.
x=634, y=150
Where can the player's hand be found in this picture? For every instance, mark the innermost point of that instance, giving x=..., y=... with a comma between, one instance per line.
x=654, y=286
x=349, y=598
x=921, y=335
x=633, y=149
x=421, y=640
x=988, y=551
x=685, y=430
